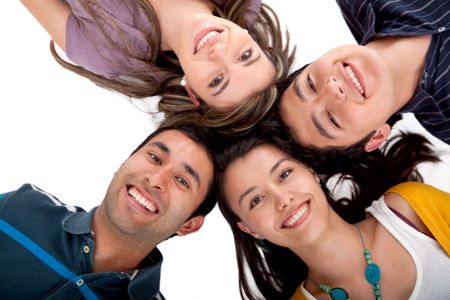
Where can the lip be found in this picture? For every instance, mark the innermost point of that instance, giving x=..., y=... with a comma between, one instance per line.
x=137, y=206
x=358, y=76
x=294, y=211
x=201, y=34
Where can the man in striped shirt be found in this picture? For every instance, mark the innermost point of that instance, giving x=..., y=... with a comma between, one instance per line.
x=49, y=250
x=350, y=97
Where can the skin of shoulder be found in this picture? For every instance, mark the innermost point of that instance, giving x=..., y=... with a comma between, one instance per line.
x=398, y=203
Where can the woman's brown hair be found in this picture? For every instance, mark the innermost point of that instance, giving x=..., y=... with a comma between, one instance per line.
x=175, y=102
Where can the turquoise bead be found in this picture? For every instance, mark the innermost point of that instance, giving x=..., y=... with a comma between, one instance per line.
x=373, y=274
x=338, y=294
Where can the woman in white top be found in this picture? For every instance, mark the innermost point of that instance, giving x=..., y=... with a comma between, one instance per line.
x=288, y=234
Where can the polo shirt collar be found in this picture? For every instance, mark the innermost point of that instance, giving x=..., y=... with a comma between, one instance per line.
x=147, y=279
x=79, y=222
x=146, y=282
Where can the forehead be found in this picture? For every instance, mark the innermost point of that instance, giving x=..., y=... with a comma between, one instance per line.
x=261, y=157
x=176, y=142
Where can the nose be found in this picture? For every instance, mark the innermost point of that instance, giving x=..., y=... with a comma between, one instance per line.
x=335, y=88
x=283, y=200
x=218, y=50
x=156, y=180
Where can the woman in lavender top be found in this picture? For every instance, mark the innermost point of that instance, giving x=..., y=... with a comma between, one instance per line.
x=213, y=60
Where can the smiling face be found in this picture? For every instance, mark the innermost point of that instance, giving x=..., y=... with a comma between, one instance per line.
x=340, y=98
x=223, y=65
x=157, y=188
x=275, y=197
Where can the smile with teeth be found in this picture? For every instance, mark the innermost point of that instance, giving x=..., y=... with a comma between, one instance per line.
x=205, y=39
x=144, y=202
x=296, y=216
x=353, y=78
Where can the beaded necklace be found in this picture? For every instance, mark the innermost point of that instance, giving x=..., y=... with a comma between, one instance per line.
x=372, y=274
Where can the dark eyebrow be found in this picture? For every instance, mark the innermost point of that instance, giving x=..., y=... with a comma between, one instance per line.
x=277, y=164
x=194, y=173
x=161, y=146
x=320, y=128
x=298, y=91
x=247, y=63
x=248, y=191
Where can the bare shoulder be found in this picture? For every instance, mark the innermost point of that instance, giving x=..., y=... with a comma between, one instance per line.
x=397, y=202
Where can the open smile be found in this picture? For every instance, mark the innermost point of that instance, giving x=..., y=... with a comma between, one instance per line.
x=355, y=78
x=297, y=216
x=143, y=201
x=204, y=37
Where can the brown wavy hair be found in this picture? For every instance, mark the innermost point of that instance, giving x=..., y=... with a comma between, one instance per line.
x=175, y=102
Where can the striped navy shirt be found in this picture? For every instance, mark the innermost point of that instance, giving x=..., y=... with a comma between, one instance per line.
x=46, y=252
x=372, y=19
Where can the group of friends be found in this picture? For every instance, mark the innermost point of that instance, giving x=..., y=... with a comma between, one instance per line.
x=263, y=141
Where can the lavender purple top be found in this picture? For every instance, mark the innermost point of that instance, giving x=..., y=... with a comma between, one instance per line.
x=87, y=46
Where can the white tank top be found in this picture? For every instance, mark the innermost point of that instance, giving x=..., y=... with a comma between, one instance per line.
x=431, y=261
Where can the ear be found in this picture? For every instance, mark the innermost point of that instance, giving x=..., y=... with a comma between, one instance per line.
x=378, y=138
x=247, y=229
x=316, y=177
x=191, y=94
x=192, y=225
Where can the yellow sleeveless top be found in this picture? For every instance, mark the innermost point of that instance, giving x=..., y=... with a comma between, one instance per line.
x=430, y=204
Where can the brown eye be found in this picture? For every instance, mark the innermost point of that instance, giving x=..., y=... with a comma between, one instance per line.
x=246, y=55
x=285, y=174
x=183, y=182
x=255, y=201
x=310, y=83
x=155, y=158
x=333, y=120
x=216, y=81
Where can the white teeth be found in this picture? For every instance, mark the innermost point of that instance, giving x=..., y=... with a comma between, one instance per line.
x=300, y=212
x=355, y=81
x=134, y=193
x=205, y=39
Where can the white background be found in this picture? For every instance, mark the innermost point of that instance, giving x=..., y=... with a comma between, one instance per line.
x=67, y=136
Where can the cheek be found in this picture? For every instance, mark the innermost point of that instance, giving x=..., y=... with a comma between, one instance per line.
x=261, y=222
x=183, y=207
x=361, y=118
x=294, y=112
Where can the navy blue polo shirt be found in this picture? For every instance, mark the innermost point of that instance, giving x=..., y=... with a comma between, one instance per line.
x=372, y=19
x=46, y=251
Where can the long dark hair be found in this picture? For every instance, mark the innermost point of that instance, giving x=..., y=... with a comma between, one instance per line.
x=278, y=272
x=370, y=175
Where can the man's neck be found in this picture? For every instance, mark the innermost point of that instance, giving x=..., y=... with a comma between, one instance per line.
x=114, y=251
x=405, y=56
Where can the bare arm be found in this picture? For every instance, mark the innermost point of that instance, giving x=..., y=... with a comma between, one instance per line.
x=52, y=15
x=397, y=202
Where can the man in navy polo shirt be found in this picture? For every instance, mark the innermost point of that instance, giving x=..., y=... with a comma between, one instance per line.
x=54, y=251
x=350, y=97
